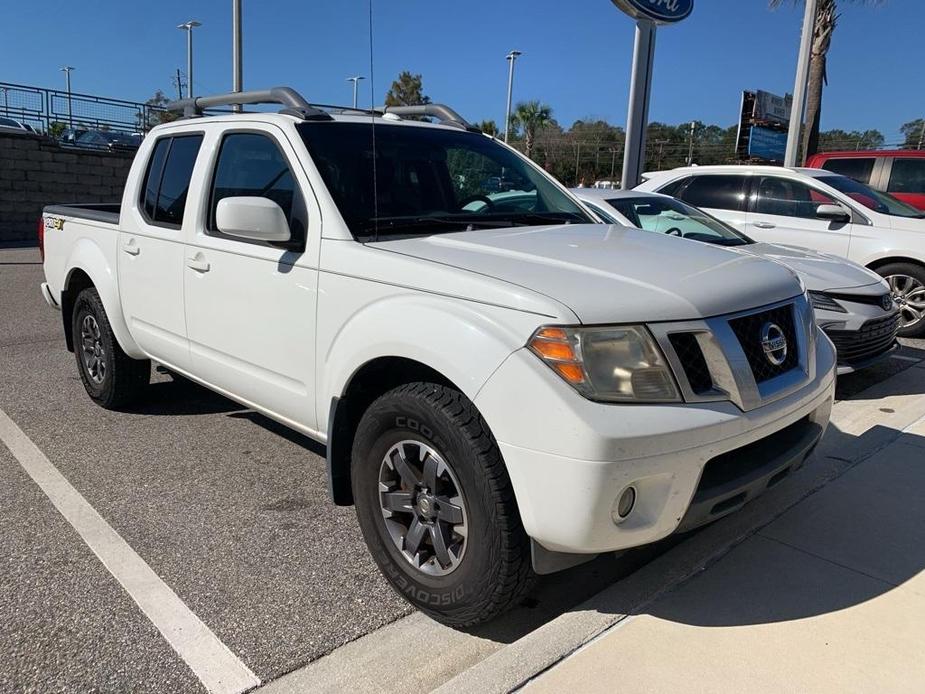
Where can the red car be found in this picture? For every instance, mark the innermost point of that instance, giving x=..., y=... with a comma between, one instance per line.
x=901, y=173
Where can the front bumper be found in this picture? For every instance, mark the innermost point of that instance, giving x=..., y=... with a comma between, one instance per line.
x=863, y=336
x=570, y=459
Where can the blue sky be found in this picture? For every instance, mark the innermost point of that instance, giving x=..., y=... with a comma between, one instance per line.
x=576, y=54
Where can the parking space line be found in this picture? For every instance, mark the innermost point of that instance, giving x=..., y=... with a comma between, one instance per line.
x=219, y=670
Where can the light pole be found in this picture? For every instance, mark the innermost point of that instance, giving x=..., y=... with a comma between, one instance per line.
x=355, y=79
x=690, y=149
x=237, y=50
x=188, y=27
x=511, y=58
x=799, y=87
x=67, y=80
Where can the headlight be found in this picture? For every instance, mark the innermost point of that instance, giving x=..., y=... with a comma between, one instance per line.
x=614, y=364
x=824, y=302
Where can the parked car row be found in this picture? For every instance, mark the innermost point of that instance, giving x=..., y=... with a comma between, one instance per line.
x=108, y=140
x=506, y=386
x=901, y=173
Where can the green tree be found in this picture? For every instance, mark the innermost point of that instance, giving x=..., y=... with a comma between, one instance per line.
x=56, y=128
x=826, y=18
x=407, y=90
x=155, y=113
x=531, y=117
x=489, y=127
x=831, y=140
x=914, y=134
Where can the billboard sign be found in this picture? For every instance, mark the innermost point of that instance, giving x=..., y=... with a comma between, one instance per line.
x=765, y=143
x=770, y=107
x=658, y=11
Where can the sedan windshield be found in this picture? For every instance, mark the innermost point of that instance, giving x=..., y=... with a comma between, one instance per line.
x=666, y=215
x=883, y=203
x=425, y=180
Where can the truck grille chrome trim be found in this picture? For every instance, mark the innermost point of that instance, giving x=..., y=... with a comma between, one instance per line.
x=750, y=358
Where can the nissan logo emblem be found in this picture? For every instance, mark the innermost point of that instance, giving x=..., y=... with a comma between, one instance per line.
x=774, y=343
x=887, y=302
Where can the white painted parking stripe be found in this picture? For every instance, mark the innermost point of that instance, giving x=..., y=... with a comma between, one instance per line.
x=219, y=670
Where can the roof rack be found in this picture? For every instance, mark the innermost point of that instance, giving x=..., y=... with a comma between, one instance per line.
x=443, y=113
x=294, y=104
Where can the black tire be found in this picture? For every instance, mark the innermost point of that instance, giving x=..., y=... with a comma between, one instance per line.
x=112, y=378
x=494, y=569
x=917, y=273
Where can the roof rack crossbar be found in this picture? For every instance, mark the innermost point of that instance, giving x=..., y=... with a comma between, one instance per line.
x=441, y=112
x=293, y=102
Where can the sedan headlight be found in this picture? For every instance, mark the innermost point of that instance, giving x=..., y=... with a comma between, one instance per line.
x=824, y=302
x=614, y=364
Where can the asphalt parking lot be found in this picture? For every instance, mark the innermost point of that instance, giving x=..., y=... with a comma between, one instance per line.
x=228, y=509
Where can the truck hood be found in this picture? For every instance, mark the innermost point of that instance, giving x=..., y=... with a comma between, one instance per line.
x=607, y=274
x=819, y=271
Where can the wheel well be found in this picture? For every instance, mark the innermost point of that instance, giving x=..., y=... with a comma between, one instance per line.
x=369, y=382
x=76, y=283
x=877, y=264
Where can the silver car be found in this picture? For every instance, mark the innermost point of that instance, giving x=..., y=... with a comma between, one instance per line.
x=853, y=305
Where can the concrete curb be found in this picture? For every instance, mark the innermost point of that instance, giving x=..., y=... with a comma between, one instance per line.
x=860, y=428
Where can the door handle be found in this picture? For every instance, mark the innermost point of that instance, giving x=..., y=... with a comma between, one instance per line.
x=764, y=225
x=198, y=265
x=131, y=248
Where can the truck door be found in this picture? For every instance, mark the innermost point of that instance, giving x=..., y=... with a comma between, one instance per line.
x=151, y=250
x=250, y=305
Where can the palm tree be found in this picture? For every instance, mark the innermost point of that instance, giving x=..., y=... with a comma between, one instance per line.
x=826, y=19
x=532, y=116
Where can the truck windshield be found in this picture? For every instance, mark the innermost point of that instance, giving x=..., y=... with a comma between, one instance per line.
x=884, y=203
x=425, y=180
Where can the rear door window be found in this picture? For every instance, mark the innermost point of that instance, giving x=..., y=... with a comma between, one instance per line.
x=858, y=168
x=907, y=176
x=716, y=192
x=167, y=179
x=788, y=198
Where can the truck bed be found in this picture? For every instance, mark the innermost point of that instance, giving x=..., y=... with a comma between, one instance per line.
x=97, y=211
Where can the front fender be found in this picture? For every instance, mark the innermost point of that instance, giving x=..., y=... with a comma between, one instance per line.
x=87, y=256
x=463, y=341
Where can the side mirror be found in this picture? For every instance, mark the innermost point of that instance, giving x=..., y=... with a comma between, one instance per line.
x=834, y=213
x=253, y=218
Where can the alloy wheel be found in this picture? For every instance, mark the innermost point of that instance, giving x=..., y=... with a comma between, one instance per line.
x=423, y=507
x=909, y=295
x=94, y=356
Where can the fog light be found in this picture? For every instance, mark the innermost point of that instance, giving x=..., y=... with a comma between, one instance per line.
x=623, y=506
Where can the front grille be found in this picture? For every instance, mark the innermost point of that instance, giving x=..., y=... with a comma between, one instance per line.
x=861, y=299
x=695, y=365
x=874, y=338
x=748, y=330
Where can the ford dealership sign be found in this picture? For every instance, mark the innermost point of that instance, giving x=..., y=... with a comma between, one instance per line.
x=659, y=11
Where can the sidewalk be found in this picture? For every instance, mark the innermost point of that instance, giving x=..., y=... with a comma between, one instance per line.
x=829, y=597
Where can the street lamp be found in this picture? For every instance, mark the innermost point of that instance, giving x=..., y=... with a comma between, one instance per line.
x=67, y=79
x=188, y=27
x=355, y=79
x=511, y=57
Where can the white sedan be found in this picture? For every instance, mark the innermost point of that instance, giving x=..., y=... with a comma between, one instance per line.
x=816, y=209
x=852, y=304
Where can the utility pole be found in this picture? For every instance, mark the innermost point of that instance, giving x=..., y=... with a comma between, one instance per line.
x=67, y=80
x=355, y=79
x=577, y=162
x=179, y=85
x=690, y=149
x=922, y=135
x=189, y=26
x=511, y=58
x=799, y=87
x=237, y=52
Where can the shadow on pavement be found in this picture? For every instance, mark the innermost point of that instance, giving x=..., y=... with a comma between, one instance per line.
x=179, y=396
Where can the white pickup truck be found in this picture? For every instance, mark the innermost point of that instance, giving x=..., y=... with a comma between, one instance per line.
x=504, y=387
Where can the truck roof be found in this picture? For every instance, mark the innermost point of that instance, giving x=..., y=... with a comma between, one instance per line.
x=296, y=108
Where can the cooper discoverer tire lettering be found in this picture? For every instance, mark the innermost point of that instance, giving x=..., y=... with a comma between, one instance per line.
x=436, y=507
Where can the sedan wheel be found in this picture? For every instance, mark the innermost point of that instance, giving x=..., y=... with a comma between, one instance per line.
x=909, y=295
